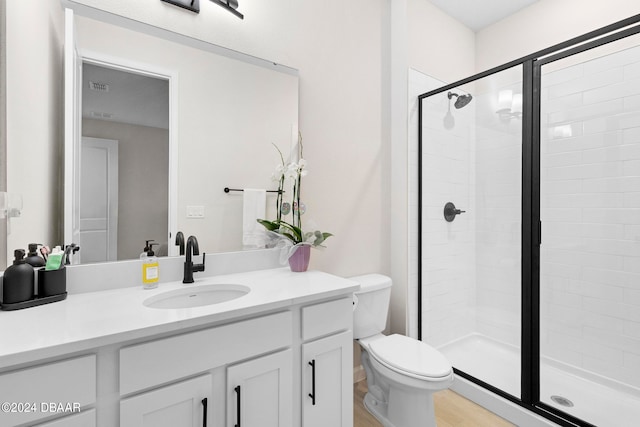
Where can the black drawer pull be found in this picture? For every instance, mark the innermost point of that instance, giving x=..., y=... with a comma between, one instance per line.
x=204, y=412
x=237, y=389
x=312, y=395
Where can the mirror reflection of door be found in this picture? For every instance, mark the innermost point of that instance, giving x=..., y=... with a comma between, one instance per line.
x=131, y=109
x=98, y=200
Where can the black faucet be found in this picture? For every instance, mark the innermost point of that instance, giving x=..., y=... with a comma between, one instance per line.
x=189, y=266
x=180, y=241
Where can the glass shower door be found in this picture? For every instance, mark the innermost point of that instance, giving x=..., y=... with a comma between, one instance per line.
x=471, y=186
x=590, y=251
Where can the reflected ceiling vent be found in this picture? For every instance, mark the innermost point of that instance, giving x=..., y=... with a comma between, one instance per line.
x=103, y=116
x=98, y=87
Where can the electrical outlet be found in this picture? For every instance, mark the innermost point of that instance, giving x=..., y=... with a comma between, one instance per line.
x=195, y=211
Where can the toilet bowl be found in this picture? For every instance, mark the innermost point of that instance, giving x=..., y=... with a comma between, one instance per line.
x=402, y=373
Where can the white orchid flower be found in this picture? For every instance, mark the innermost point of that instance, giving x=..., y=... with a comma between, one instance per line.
x=292, y=171
x=278, y=173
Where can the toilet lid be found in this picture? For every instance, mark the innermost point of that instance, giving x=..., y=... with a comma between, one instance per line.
x=406, y=354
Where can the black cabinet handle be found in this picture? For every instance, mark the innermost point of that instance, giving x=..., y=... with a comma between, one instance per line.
x=312, y=395
x=204, y=412
x=237, y=389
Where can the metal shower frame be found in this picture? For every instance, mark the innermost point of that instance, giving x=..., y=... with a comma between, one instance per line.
x=531, y=233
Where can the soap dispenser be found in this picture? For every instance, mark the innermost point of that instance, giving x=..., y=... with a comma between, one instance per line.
x=18, y=280
x=150, y=266
x=33, y=258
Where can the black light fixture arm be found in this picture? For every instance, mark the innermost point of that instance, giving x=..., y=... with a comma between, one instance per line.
x=230, y=5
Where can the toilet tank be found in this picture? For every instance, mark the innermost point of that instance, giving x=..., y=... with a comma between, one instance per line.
x=371, y=305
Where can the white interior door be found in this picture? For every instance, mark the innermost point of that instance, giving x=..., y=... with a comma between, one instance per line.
x=98, y=200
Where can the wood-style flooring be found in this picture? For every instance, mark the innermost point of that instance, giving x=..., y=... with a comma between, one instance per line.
x=452, y=410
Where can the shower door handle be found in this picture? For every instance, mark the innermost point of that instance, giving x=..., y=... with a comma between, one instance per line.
x=450, y=212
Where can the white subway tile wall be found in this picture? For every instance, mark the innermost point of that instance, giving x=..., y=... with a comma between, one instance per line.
x=448, y=255
x=590, y=211
x=471, y=266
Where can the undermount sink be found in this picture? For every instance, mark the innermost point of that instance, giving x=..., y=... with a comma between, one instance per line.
x=196, y=296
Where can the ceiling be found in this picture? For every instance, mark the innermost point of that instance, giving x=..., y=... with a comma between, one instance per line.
x=478, y=14
x=131, y=98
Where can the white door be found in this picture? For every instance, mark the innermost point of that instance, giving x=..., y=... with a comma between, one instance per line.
x=260, y=392
x=72, y=131
x=98, y=200
x=327, y=388
x=185, y=404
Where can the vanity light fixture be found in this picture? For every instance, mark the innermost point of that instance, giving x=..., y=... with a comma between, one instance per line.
x=230, y=5
x=509, y=106
x=192, y=5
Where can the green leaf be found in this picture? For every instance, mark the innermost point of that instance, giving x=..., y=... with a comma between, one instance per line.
x=295, y=230
x=269, y=225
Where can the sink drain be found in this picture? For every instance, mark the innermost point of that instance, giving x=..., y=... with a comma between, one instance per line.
x=562, y=401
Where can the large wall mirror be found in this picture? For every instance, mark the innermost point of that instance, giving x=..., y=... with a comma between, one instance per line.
x=174, y=123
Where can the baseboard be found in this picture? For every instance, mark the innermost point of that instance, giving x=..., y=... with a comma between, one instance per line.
x=359, y=374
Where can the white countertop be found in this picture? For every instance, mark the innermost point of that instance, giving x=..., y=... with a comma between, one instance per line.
x=88, y=320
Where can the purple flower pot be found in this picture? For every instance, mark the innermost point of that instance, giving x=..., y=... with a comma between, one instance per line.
x=299, y=260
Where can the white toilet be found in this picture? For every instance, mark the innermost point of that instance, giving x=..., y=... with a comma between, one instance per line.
x=402, y=373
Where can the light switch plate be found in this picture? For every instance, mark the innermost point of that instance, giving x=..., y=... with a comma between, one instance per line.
x=195, y=211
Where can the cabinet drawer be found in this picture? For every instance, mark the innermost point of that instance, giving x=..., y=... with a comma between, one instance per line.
x=84, y=419
x=326, y=318
x=67, y=382
x=157, y=362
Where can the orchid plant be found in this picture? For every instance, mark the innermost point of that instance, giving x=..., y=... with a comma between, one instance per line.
x=294, y=171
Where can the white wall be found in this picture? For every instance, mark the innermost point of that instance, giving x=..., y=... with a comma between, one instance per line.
x=544, y=24
x=34, y=119
x=439, y=45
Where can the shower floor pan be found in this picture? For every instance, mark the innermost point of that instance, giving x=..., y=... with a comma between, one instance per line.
x=597, y=400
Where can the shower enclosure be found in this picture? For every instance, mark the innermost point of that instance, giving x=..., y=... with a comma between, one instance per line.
x=529, y=228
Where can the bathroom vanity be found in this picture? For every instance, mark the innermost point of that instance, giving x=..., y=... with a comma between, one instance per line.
x=279, y=355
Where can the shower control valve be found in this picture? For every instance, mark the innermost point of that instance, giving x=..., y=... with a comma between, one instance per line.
x=450, y=212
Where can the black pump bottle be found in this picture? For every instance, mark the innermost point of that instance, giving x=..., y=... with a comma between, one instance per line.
x=33, y=258
x=18, y=280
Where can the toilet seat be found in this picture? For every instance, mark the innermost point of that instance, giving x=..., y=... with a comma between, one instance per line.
x=409, y=356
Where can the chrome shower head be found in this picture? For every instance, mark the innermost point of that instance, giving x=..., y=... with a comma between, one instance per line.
x=462, y=100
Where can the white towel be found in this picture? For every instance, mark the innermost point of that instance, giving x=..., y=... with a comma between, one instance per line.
x=254, y=206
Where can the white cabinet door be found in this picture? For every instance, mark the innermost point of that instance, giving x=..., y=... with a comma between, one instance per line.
x=184, y=404
x=259, y=392
x=327, y=381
